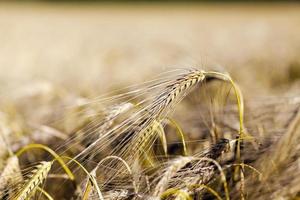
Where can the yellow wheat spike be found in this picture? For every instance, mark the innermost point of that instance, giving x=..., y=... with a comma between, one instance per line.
x=38, y=176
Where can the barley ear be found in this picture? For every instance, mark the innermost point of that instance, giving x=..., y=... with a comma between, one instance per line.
x=38, y=176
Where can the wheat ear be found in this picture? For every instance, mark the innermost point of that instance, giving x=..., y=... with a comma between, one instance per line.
x=38, y=176
x=159, y=107
x=172, y=94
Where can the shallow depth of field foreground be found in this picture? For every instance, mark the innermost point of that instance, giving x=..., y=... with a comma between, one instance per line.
x=149, y=101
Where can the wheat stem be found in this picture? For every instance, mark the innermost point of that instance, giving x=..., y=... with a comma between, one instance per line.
x=55, y=155
x=175, y=191
x=125, y=164
x=212, y=191
x=92, y=180
x=180, y=133
x=46, y=194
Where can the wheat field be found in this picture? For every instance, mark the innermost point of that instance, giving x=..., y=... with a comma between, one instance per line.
x=149, y=101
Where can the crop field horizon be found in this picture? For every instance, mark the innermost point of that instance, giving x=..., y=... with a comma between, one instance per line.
x=175, y=101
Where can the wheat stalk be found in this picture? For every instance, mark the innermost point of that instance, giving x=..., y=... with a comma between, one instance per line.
x=180, y=194
x=38, y=176
x=89, y=183
x=94, y=171
x=209, y=189
x=50, y=151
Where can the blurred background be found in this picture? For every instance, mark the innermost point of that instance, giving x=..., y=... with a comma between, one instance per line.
x=93, y=46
